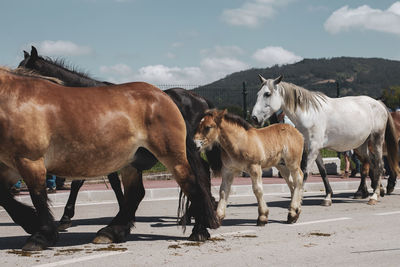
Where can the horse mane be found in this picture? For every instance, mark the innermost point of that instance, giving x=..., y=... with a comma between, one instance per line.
x=61, y=63
x=299, y=97
x=235, y=119
x=30, y=73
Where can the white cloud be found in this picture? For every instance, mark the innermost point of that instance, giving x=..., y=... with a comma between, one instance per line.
x=252, y=12
x=275, y=55
x=365, y=17
x=216, y=68
x=62, y=48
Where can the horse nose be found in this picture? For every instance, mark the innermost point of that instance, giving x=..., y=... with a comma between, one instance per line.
x=254, y=119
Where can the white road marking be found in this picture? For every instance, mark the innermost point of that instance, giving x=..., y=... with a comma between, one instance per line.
x=87, y=258
x=321, y=221
x=387, y=213
x=243, y=232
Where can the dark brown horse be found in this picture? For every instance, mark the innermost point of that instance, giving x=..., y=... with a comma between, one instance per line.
x=362, y=191
x=191, y=106
x=46, y=127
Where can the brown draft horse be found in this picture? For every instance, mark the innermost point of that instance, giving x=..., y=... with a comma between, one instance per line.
x=245, y=148
x=362, y=191
x=66, y=131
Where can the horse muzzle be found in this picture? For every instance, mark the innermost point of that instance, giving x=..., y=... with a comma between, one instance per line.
x=255, y=120
x=199, y=144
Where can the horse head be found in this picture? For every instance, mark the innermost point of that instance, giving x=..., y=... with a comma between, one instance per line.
x=208, y=129
x=269, y=100
x=29, y=59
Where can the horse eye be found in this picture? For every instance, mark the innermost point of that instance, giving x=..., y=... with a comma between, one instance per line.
x=267, y=94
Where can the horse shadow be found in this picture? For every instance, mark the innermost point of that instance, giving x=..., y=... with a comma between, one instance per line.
x=67, y=239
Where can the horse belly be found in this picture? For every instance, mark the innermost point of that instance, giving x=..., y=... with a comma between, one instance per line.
x=104, y=148
x=86, y=161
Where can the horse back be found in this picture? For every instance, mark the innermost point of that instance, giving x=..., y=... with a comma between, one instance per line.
x=283, y=138
x=100, y=125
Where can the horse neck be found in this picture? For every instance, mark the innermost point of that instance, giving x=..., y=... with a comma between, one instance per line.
x=232, y=137
x=69, y=77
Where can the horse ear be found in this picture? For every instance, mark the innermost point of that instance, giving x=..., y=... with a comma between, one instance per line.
x=26, y=54
x=220, y=115
x=262, y=79
x=34, y=53
x=278, y=80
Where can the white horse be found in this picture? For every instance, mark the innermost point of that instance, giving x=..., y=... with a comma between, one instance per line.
x=355, y=122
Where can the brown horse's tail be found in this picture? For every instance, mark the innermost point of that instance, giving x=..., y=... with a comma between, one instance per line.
x=392, y=146
x=202, y=205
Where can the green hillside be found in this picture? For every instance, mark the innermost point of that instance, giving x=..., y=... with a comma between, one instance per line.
x=355, y=76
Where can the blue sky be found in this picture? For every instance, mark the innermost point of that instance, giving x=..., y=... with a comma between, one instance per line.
x=195, y=42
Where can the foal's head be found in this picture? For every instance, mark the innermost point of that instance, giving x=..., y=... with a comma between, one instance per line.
x=208, y=129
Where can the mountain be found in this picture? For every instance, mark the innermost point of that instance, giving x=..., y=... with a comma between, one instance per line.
x=355, y=76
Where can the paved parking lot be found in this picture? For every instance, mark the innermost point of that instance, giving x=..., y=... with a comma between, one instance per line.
x=350, y=232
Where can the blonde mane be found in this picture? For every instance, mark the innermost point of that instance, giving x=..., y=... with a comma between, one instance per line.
x=297, y=97
x=29, y=73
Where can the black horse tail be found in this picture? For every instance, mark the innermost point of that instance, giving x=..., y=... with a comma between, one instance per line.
x=392, y=145
x=202, y=201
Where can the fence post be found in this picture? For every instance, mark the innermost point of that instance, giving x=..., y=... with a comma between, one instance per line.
x=244, y=92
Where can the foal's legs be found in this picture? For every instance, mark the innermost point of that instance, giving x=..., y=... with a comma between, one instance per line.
x=256, y=180
x=224, y=191
x=294, y=178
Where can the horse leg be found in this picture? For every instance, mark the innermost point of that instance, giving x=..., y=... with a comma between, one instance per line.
x=391, y=184
x=294, y=178
x=196, y=187
x=255, y=172
x=224, y=190
x=116, y=186
x=69, y=210
x=34, y=175
x=21, y=214
x=377, y=164
x=121, y=225
x=363, y=155
x=328, y=190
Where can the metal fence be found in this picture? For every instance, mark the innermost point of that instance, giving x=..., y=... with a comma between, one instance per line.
x=236, y=100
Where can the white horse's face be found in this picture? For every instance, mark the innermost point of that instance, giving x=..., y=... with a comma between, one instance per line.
x=268, y=102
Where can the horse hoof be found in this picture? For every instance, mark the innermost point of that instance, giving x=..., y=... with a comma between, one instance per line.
x=261, y=223
x=101, y=239
x=33, y=246
x=64, y=226
x=293, y=218
x=382, y=192
x=372, y=202
x=40, y=241
x=200, y=235
x=112, y=234
x=326, y=203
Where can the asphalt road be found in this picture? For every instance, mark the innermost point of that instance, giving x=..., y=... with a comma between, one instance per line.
x=349, y=232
